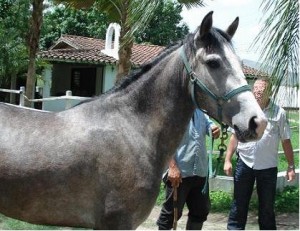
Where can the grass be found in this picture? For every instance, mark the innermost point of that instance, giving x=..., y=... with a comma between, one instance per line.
x=7, y=223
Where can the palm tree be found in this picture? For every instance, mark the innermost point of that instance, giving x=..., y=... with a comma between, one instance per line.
x=279, y=42
x=132, y=15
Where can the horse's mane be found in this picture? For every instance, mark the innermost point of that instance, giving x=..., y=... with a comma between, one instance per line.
x=135, y=74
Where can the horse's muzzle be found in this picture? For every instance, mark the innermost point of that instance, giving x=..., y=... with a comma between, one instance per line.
x=255, y=131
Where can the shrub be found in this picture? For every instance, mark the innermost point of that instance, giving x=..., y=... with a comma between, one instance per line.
x=220, y=201
x=287, y=200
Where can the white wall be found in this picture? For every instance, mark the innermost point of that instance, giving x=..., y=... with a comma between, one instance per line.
x=110, y=73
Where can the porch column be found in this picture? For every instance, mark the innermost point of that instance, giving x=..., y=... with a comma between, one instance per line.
x=47, y=78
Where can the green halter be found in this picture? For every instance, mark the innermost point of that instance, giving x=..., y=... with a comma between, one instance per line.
x=196, y=80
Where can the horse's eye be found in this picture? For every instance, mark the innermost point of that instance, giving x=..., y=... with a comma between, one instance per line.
x=213, y=63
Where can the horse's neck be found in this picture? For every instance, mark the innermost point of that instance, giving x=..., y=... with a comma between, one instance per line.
x=161, y=101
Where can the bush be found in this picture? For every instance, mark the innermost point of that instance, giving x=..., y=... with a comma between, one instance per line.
x=220, y=201
x=287, y=200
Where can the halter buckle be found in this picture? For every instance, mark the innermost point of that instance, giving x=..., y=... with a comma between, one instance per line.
x=192, y=77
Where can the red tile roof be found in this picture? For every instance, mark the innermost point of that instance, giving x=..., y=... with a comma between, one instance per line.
x=252, y=72
x=72, y=48
x=77, y=56
x=88, y=50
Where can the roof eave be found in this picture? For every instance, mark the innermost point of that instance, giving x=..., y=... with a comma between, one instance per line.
x=77, y=61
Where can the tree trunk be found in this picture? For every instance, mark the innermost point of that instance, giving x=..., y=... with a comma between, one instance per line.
x=33, y=45
x=125, y=49
x=124, y=65
x=13, y=84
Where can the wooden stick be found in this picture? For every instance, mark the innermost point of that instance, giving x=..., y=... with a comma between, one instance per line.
x=175, y=205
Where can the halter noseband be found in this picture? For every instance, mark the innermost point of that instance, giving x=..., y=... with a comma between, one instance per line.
x=196, y=80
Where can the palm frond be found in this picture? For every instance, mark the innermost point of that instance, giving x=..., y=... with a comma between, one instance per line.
x=191, y=3
x=139, y=15
x=279, y=42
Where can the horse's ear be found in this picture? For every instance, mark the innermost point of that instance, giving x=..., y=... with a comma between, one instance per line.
x=206, y=24
x=232, y=28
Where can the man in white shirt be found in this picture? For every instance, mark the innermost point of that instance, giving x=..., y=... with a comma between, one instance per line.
x=257, y=161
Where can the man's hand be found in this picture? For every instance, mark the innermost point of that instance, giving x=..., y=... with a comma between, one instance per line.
x=290, y=174
x=215, y=131
x=228, y=168
x=174, y=175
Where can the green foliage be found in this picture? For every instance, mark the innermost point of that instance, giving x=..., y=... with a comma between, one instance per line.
x=13, y=32
x=288, y=200
x=66, y=20
x=7, y=223
x=220, y=201
x=164, y=28
x=5, y=6
x=162, y=195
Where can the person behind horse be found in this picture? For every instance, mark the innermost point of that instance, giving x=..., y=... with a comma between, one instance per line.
x=188, y=172
x=257, y=161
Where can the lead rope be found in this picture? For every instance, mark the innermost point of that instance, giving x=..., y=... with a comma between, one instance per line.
x=209, y=174
x=222, y=147
x=210, y=154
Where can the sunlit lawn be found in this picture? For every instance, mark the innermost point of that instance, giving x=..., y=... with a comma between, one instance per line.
x=12, y=224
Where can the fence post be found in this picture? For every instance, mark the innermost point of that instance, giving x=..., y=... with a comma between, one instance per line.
x=22, y=92
x=68, y=101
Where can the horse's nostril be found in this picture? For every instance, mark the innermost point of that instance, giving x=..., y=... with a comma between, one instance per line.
x=261, y=124
x=252, y=124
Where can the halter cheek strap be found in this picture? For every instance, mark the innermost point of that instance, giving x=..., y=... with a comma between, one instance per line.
x=194, y=79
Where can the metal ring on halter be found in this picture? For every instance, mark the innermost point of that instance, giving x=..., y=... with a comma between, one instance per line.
x=192, y=77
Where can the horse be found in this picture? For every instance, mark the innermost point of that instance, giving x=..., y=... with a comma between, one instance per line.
x=99, y=164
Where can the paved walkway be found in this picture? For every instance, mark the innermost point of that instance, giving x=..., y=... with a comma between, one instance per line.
x=218, y=221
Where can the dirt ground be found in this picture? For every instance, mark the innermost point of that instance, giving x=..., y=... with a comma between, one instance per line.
x=218, y=221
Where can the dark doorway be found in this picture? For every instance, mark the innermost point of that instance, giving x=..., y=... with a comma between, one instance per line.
x=83, y=82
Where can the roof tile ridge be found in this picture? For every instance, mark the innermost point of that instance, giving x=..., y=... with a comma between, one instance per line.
x=80, y=36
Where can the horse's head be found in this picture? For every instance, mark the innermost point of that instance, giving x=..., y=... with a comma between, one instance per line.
x=217, y=82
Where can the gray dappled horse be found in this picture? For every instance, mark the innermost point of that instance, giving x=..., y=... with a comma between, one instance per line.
x=99, y=164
